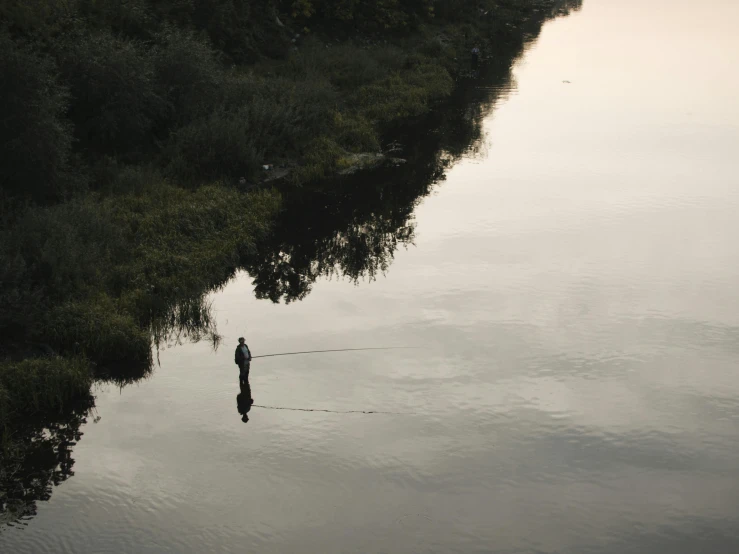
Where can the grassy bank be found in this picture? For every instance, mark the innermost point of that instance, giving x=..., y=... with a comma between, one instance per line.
x=48, y=383
x=95, y=279
x=135, y=131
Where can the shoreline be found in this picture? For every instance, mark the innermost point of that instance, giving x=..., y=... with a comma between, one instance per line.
x=135, y=259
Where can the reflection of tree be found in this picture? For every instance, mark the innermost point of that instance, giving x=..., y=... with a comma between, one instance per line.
x=189, y=320
x=344, y=230
x=36, y=454
x=565, y=7
x=352, y=227
x=36, y=457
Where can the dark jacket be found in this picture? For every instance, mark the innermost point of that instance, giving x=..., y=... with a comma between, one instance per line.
x=239, y=357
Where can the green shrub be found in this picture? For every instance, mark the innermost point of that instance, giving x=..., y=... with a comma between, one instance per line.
x=243, y=29
x=132, y=18
x=20, y=303
x=323, y=158
x=5, y=409
x=356, y=133
x=346, y=67
x=363, y=15
x=261, y=122
x=186, y=241
x=308, y=101
x=191, y=319
x=99, y=330
x=63, y=249
x=35, y=137
x=155, y=247
x=215, y=146
x=115, y=100
x=42, y=384
x=35, y=17
x=188, y=74
x=135, y=180
x=229, y=25
x=404, y=95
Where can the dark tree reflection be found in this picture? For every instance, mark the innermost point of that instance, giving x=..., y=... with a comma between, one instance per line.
x=351, y=227
x=35, y=457
x=565, y=7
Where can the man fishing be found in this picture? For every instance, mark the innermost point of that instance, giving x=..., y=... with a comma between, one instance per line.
x=243, y=360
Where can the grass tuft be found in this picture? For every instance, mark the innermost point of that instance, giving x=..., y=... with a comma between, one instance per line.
x=42, y=384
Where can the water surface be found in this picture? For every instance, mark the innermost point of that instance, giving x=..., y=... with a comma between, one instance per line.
x=571, y=286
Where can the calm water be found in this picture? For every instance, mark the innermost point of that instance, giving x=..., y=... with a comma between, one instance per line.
x=572, y=287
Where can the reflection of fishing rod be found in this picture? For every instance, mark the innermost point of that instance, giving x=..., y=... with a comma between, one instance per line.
x=329, y=411
x=337, y=350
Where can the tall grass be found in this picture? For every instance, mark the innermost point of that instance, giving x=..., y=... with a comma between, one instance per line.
x=41, y=384
x=97, y=276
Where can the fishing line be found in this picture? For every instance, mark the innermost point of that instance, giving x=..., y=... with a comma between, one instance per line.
x=328, y=411
x=331, y=411
x=337, y=350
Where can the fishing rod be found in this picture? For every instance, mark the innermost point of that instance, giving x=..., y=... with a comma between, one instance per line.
x=335, y=350
x=329, y=411
x=331, y=350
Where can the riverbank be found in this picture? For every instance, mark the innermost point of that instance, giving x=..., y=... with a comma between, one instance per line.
x=152, y=137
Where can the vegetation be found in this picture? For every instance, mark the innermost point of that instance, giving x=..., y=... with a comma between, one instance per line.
x=36, y=455
x=133, y=135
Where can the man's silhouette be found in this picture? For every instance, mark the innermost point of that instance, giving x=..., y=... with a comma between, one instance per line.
x=244, y=400
x=242, y=357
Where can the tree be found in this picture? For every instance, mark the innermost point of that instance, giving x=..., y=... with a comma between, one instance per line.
x=35, y=136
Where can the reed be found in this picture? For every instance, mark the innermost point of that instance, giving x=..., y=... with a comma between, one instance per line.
x=41, y=384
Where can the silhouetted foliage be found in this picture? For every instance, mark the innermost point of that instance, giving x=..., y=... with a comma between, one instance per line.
x=115, y=102
x=141, y=100
x=35, y=138
x=187, y=73
x=39, y=457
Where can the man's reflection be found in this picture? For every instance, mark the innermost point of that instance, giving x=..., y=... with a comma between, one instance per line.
x=244, y=400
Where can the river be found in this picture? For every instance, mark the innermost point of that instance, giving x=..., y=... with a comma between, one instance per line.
x=570, y=293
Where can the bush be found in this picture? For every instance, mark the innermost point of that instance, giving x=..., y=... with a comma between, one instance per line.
x=34, y=17
x=346, y=67
x=364, y=15
x=216, y=146
x=98, y=330
x=404, y=95
x=260, y=122
x=243, y=29
x=35, y=137
x=182, y=243
x=323, y=158
x=188, y=74
x=42, y=384
x=135, y=180
x=115, y=101
x=20, y=302
x=64, y=249
x=356, y=133
x=131, y=18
